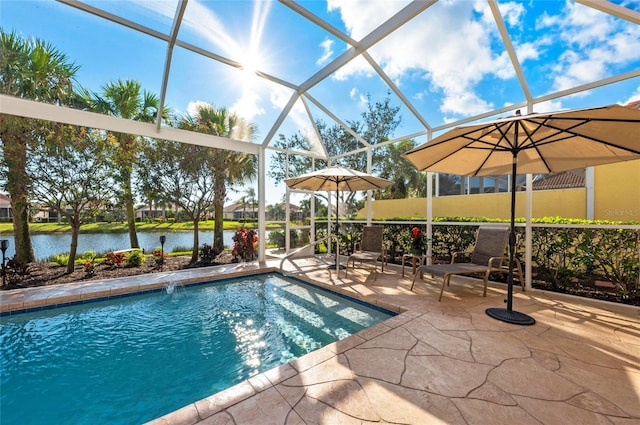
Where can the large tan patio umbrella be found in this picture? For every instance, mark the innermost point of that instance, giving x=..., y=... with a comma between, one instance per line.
x=337, y=178
x=532, y=144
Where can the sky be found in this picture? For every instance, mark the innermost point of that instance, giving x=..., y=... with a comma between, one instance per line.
x=449, y=62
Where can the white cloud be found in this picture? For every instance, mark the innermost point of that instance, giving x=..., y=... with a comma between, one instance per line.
x=625, y=44
x=363, y=16
x=466, y=101
x=526, y=51
x=547, y=106
x=192, y=107
x=593, y=42
x=297, y=116
x=247, y=106
x=326, y=45
x=455, y=51
x=357, y=66
x=633, y=98
x=454, y=61
x=512, y=13
x=279, y=98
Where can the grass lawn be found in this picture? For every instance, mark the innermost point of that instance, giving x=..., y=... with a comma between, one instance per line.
x=34, y=228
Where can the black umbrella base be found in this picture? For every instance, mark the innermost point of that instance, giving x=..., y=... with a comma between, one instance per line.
x=333, y=267
x=510, y=316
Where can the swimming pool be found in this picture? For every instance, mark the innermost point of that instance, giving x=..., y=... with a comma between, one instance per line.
x=136, y=358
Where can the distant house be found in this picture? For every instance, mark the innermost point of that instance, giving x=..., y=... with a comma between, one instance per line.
x=277, y=212
x=145, y=213
x=44, y=214
x=5, y=208
x=240, y=211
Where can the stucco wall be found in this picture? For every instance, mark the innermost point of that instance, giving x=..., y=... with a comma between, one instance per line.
x=616, y=198
x=617, y=191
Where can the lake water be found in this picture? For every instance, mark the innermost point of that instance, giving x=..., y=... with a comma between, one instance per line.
x=46, y=245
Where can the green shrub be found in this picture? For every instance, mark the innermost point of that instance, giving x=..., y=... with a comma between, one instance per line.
x=88, y=255
x=59, y=259
x=566, y=253
x=276, y=237
x=135, y=259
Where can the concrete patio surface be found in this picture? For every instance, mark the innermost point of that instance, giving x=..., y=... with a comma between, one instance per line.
x=434, y=363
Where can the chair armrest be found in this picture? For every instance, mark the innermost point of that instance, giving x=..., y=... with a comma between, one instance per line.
x=492, y=259
x=456, y=254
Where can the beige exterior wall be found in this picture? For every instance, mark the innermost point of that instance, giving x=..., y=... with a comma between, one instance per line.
x=617, y=191
x=616, y=198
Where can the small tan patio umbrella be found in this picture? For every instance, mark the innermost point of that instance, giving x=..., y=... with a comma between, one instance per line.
x=337, y=178
x=532, y=144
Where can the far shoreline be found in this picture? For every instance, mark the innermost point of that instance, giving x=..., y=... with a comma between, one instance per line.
x=6, y=228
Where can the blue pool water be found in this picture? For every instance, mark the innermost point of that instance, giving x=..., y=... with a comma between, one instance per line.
x=133, y=359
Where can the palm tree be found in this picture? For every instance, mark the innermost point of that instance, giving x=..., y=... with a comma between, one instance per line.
x=229, y=167
x=126, y=99
x=251, y=196
x=30, y=69
x=276, y=211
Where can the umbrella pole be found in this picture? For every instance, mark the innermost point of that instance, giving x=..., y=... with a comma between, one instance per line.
x=512, y=237
x=507, y=314
x=337, y=230
x=336, y=265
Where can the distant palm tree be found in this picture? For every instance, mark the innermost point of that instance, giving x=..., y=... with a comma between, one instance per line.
x=230, y=167
x=277, y=211
x=126, y=99
x=30, y=69
x=251, y=196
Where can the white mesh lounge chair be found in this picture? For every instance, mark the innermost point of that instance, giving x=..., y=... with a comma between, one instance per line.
x=488, y=256
x=370, y=250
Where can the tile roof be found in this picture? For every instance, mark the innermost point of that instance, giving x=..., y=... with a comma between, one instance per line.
x=564, y=180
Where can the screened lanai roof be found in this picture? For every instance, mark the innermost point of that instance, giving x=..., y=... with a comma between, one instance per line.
x=283, y=65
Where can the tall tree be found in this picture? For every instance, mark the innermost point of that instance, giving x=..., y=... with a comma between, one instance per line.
x=74, y=174
x=30, y=69
x=180, y=174
x=376, y=126
x=229, y=167
x=298, y=164
x=126, y=99
x=407, y=181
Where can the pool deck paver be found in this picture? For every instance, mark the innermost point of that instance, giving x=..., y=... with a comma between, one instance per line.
x=434, y=363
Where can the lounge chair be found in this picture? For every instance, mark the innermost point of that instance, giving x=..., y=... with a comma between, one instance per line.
x=488, y=256
x=370, y=250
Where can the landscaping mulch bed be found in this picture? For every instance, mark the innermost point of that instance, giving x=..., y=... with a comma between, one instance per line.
x=42, y=274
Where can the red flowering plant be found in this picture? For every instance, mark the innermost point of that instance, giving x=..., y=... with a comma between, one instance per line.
x=245, y=243
x=114, y=259
x=89, y=268
x=419, y=244
x=159, y=256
